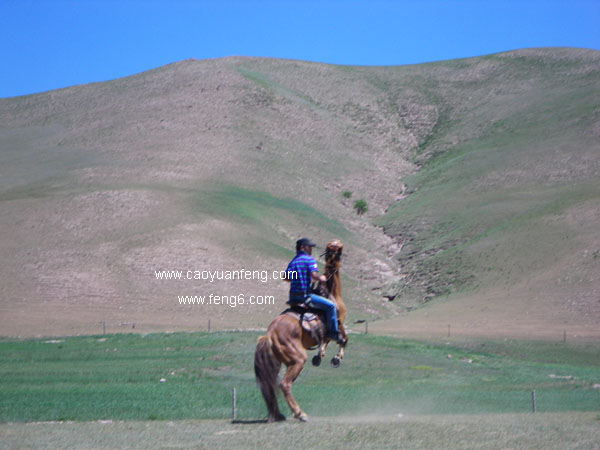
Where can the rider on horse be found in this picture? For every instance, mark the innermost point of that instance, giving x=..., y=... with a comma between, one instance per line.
x=300, y=271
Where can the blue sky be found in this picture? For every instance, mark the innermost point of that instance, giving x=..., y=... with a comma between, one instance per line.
x=49, y=44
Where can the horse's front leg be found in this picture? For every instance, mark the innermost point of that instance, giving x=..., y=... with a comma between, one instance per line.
x=337, y=359
x=316, y=361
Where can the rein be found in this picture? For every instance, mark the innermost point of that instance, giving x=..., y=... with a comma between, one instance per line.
x=336, y=270
x=333, y=273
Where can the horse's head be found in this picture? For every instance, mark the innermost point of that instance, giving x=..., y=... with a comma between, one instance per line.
x=333, y=251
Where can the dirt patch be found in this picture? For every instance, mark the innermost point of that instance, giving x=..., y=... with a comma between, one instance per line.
x=417, y=432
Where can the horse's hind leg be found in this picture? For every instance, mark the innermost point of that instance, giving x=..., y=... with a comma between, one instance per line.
x=291, y=373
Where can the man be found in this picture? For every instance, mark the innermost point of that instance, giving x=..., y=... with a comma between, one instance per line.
x=300, y=272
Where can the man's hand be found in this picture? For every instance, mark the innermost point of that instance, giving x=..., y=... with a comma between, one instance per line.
x=315, y=276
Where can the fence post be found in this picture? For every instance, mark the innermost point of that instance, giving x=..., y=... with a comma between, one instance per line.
x=233, y=407
x=533, y=400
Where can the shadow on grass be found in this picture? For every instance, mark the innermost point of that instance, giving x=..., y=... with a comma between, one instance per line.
x=249, y=422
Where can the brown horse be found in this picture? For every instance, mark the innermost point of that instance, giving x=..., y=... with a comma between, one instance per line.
x=286, y=342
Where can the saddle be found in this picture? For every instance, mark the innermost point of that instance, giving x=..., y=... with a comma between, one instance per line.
x=311, y=320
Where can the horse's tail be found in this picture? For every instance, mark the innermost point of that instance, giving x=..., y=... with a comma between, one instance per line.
x=266, y=368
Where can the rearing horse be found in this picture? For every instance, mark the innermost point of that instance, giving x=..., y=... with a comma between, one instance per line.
x=286, y=342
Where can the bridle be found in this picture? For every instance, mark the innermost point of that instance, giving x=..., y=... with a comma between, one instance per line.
x=339, y=257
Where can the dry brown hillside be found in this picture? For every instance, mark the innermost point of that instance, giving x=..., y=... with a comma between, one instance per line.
x=481, y=175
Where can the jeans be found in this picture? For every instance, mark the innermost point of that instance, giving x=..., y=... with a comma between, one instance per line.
x=317, y=302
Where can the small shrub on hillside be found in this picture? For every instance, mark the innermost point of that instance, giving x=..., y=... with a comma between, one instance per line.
x=361, y=206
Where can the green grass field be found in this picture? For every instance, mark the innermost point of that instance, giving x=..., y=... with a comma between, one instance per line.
x=118, y=377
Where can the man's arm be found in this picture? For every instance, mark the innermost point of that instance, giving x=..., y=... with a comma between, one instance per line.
x=315, y=276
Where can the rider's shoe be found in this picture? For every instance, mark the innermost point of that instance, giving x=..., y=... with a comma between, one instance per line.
x=338, y=338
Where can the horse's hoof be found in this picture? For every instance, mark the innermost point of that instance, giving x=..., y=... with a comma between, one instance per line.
x=302, y=417
x=335, y=362
x=316, y=361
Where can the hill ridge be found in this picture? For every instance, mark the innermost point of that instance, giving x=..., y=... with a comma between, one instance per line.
x=108, y=181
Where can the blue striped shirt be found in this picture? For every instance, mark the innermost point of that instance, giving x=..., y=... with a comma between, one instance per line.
x=299, y=270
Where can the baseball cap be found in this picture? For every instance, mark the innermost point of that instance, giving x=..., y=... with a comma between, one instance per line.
x=304, y=241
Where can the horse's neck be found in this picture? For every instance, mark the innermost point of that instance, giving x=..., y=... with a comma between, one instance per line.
x=333, y=282
x=335, y=290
